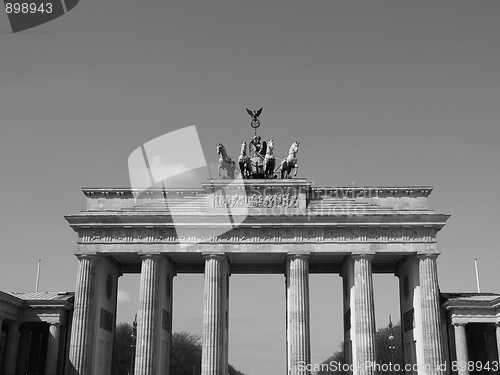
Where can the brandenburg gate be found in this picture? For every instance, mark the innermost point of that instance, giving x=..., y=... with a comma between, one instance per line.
x=255, y=225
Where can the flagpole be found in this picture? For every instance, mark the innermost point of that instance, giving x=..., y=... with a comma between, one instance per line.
x=38, y=275
x=477, y=276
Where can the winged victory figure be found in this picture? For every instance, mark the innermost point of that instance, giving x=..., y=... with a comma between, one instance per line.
x=254, y=114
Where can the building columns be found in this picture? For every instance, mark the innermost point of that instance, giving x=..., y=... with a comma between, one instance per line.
x=52, y=349
x=461, y=348
x=23, y=350
x=147, y=328
x=9, y=365
x=82, y=332
x=35, y=348
x=1, y=327
x=364, y=314
x=498, y=339
x=215, y=315
x=297, y=310
x=431, y=318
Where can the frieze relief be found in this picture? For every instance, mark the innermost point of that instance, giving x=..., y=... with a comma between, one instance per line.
x=266, y=235
x=118, y=236
x=246, y=234
x=275, y=234
x=309, y=234
x=256, y=200
x=226, y=237
x=331, y=235
x=288, y=234
x=195, y=235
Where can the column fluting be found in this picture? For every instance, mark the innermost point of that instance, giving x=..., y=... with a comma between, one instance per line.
x=299, y=342
x=83, y=326
x=431, y=318
x=461, y=348
x=364, y=313
x=147, y=318
x=213, y=316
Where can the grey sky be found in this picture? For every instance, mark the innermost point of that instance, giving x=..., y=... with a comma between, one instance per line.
x=377, y=93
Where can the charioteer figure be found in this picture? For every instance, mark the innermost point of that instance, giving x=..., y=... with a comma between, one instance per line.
x=257, y=149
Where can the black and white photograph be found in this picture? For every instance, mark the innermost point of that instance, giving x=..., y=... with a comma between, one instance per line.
x=249, y=187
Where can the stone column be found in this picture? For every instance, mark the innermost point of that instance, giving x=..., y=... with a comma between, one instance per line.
x=498, y=339
x=431, y=318
x=83, y=327
x=44, y=343
x=214, y=360
x=9, y=365
x=23, y=350
x=35, y=345
x=461, y=347
x=147, y=327
x=52, y=349
x=1, y=327
x=298, y=331
x=364, y=314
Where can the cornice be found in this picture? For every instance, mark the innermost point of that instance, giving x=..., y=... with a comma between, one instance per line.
x=215, y=184
x=117, y=218
x=256, y=234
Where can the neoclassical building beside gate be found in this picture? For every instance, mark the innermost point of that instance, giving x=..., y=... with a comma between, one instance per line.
x=285, y=226
x=37, y=328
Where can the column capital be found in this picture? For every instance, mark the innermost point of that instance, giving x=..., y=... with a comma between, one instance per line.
x=298, y=255
x=358, y=256
x=427, y=255
x=497, y=324
x=220, y=256
x=155, y=256
x=89, y=257
x=459, y=324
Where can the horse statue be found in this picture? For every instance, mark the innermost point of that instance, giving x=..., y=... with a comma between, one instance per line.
x=225, y=162
x=244, y=162
x=290, y=162
x=269, y=160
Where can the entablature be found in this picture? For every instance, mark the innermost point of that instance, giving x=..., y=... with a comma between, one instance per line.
x=258, y=234
x=266, y=212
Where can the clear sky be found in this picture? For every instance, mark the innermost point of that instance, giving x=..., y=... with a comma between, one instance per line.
x=377, y=92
